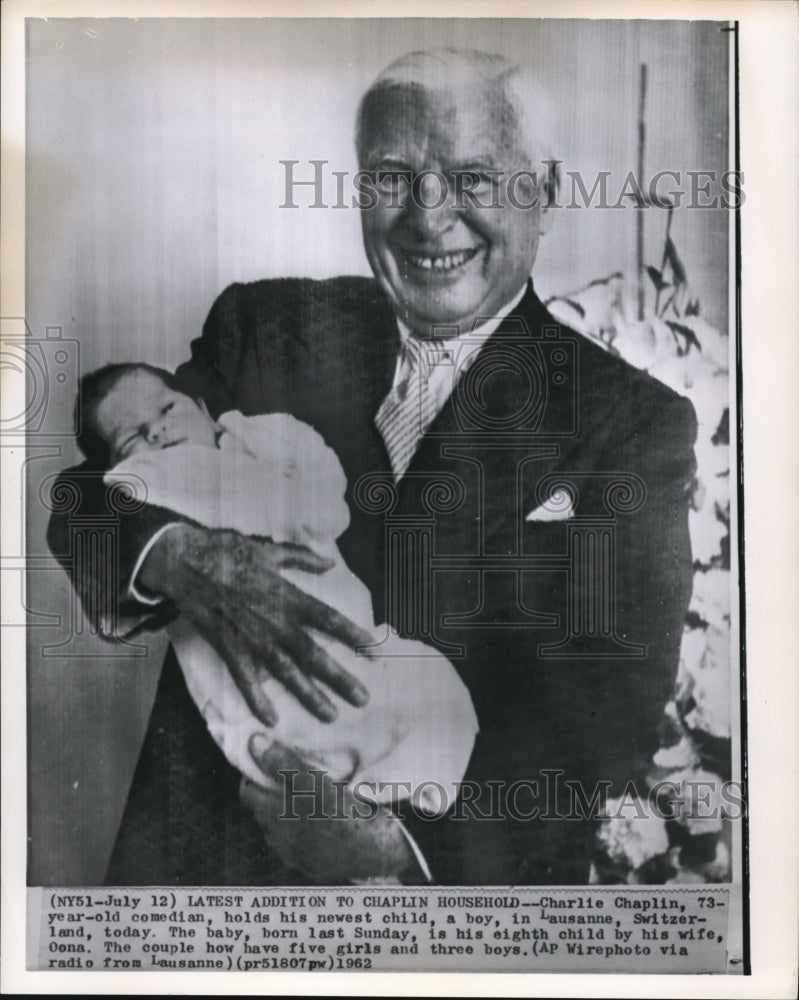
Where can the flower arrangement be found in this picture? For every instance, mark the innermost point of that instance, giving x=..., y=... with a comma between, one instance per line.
x=665, y=334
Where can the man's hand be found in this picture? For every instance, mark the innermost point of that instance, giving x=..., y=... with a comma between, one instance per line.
x=318, y=827
x=230, y=587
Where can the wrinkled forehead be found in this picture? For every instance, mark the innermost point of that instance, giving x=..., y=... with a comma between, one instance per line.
x=439, y=127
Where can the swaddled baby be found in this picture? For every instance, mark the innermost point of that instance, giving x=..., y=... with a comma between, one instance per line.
x=272, y=476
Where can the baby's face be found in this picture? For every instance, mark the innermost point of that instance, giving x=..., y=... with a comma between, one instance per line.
x=142, y=414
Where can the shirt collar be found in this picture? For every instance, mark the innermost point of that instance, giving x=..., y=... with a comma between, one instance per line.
x=477, y=336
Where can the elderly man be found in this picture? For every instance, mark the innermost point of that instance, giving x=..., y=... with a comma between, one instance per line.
x=518, y=499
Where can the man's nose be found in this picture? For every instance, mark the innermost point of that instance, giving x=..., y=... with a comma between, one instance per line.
x=430, y=205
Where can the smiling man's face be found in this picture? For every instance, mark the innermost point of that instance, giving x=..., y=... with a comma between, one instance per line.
x=461, y=261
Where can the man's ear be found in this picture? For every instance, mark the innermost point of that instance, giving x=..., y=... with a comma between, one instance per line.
x=546, y=218
x=549, y=196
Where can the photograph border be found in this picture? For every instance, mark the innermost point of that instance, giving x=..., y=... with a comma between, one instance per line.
x=748, y=438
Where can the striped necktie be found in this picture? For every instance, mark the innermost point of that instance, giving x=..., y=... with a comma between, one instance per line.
x=409, y=409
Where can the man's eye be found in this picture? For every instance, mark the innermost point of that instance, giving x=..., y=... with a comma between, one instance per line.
x=470, y=180
x=166, y=409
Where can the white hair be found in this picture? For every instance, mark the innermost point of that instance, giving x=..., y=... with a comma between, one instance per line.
x=451, y=69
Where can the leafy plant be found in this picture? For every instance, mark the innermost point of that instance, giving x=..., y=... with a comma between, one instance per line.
x=676, y=345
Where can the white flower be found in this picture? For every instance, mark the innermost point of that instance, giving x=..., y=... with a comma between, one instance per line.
x=715, y=870
x=632, y=840
x=719, y=868
x=704, y=676
x=713, y=460
x=715, y=345
x=692, y=649
x=711, y=597
x=708, y=390
x=713, y=472
x=648, y=344
x=707, y=532
x=681, y=755
x=696, y=801
x=567, y=314
x=683, y=876
x=599, y=304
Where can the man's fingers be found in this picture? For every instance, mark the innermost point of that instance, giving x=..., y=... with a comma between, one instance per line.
x=304, y=690
x=317, y=663
x=272, y=757
x=299, y=557
x=273, y=639
x=249, y=648
x=225, y=636
x=244, y=673
x=320, y=841
x=268, y=804
x=316, y=614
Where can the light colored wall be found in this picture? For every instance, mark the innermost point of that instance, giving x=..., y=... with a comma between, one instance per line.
x=153, y=181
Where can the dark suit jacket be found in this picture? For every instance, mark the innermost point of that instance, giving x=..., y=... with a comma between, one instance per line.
x=566, y=632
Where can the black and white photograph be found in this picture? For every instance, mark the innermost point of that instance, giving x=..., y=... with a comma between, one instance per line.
x=384, y=569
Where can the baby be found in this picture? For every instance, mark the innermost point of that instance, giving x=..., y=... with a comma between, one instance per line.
x=273, y=476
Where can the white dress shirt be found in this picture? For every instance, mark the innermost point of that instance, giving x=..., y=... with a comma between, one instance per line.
x=449, y=359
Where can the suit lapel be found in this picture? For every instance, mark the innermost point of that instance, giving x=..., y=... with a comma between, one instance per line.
x=511, y=419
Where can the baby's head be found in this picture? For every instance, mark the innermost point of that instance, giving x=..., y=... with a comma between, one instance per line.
x=131, y=408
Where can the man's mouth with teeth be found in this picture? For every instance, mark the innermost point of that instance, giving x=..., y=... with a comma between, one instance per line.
x=441, y=262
